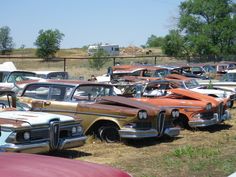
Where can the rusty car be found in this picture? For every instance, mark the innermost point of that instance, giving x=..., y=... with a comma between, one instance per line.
x=197, y=110
x=103, y=114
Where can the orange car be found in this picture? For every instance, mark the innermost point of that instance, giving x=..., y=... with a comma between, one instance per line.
x=196, y=110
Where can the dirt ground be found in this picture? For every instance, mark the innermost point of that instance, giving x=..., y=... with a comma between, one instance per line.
x=201, y=152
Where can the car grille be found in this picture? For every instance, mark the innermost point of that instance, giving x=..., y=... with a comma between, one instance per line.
x=220, y=110
x=160, y=122
x=53, y=133
x=168, y=123
x=143, y=125
x=207, y=115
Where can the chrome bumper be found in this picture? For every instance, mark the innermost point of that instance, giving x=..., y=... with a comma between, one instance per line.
x=172, y=132
x=136, y=134
x=43, y=146
x=216, y=119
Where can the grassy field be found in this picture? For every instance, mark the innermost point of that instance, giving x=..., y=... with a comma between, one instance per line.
x=202, y=152
x=76, y=68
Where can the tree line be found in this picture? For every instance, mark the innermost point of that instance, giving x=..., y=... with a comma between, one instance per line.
x=206, y=31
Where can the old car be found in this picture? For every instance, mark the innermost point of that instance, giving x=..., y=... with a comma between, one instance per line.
x=197, y=110
x=34, y=132
x=52, y=74
x=103, y=114
x=34, y=165
x=227, y=81
x=192, y=84
x=133, y=72
x=9, y=75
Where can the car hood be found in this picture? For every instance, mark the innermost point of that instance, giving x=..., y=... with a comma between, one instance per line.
x=28, y=165
x=130, y=103
x=30, y=118
x=195, y=95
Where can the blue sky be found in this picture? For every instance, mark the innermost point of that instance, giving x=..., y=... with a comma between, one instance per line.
x=84, y=22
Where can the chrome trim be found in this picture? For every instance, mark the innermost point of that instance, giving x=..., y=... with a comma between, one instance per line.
x=172, y=132
x=136, y=134
x=160, y=123
x=44, y=146
x=72, y=142
x=204, y=122
x=54, y=133
x=75, y=112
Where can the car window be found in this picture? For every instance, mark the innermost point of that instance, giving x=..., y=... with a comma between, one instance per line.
x=60, y=93
x=19, y=76
x=37, y=91
x=161, y=73
x=91, y=92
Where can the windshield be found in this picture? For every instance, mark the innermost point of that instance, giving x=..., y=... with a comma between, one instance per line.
x=19, y=76
x=190, y=84
x=161, y=73
x=91, y=92
x=229, y=77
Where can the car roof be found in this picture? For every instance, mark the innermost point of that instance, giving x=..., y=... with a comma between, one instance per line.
x=47, y=72
x=66, y=82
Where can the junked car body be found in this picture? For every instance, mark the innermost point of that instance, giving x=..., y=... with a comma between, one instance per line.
x=34, y=132
x=197, y=110
x=192, y=84
x=227, y=81
x=133, y=72
x=52, y=74
x=107, y=116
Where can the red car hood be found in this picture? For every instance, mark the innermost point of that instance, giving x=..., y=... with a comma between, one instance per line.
x=29, y=165
x=194, y=95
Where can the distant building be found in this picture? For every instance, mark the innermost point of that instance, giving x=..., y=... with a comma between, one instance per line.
x=110, y=49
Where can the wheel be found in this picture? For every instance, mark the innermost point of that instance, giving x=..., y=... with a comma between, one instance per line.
x=3, y=105
x=231, y=104
x=181, y=122
x=109, y=134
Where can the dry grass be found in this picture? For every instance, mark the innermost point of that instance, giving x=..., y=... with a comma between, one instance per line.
x=76, y=68
x=205, y=152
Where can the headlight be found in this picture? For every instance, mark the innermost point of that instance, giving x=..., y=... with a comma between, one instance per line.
x=142, y=115
x=197, y=116
x=209, y=107
x=175, y=113
x=76, y=129
x=26, y=135
x=79, y=129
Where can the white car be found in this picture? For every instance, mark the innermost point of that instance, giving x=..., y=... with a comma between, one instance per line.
x=193, y=85
x=36, y=132
x=227, y=82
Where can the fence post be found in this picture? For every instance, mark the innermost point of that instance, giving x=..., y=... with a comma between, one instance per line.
x=114, y=61
x=64, y=64
x=155, y=62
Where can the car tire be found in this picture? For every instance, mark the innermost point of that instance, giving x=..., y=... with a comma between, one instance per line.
x=109, y=133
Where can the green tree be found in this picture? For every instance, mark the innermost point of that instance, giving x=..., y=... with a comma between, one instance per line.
x=154, y=41
x=6, y=42
x=48, y=43
x=99, y=59
x=209, y=26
